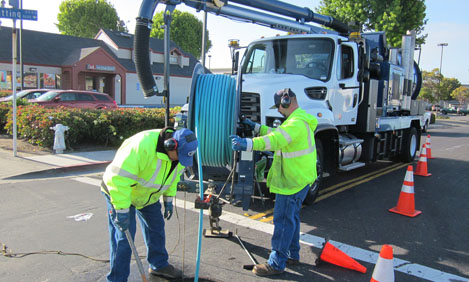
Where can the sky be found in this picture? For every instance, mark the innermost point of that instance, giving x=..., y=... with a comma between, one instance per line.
x=447, y=23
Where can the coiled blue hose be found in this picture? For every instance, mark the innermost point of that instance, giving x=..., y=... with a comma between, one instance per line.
x=213, y=118
x=215, y=100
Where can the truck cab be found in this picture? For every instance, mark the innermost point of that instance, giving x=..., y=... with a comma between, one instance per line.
x=321, y=69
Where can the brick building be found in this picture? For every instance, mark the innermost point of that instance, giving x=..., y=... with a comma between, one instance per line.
x=103, y=64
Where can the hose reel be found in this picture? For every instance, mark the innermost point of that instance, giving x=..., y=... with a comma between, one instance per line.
x=213, y=105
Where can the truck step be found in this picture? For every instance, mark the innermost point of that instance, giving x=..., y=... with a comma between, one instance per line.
x=351, y=166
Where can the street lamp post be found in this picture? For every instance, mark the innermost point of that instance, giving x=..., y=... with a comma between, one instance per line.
x=441, y=61
x=209, y=60
x=441, y=58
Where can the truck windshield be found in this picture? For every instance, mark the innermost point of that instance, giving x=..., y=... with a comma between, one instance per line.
x=311, y=57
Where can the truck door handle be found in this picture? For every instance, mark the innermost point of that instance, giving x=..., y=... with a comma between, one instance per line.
x=355, y=100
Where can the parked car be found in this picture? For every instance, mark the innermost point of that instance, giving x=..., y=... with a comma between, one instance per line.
x=76, y=99
x=26, y=94
x=457, y=111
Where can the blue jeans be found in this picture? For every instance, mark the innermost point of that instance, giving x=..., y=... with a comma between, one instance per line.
x=152, y=224
x=286, y=238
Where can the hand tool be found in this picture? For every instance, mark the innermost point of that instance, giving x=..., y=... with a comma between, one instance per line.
x=137, y=258
x=254, y=261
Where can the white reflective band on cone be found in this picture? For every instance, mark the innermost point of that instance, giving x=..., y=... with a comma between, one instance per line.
x=381, y=272
x=407, y=189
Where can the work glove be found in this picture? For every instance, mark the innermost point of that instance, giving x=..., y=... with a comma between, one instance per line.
x=241, y=144
x=121, y=220
x=249, y=123
x=168, y=210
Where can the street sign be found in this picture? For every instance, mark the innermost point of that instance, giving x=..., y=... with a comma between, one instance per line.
x=18, y=14
x=13, y=3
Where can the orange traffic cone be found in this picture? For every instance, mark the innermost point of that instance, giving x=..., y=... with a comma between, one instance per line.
x=384, y=271
x=406, y=203
x=331, y=254
x=422, y=169
x=429, y=147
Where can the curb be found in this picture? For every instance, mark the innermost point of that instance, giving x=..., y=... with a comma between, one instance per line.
x=58, y=170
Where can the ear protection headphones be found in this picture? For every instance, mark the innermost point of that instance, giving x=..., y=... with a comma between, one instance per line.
x=285, y=101
x=170, y=144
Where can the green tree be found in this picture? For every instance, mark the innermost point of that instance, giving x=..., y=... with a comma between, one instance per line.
x=427, y=95
x=430, y=82
x=448, y=85
x=84, y=18
x=436, y=87
x=461, y=94
x=394, y=17
x=185, y=30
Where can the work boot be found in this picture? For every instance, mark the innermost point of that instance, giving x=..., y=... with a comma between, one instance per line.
x=265, y=269
x=167, y=272
x=291, y=261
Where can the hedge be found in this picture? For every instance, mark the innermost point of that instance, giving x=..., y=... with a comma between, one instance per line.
x=91, y=127
x=4, y=93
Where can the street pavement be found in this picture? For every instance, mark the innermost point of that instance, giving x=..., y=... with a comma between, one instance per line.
x=35, y=206
x=27, y=164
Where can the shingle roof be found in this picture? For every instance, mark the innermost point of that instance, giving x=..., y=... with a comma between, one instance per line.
x=42, y=48
x=125, y=40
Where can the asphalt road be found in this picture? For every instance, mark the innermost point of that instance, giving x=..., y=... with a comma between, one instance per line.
x=352, y=213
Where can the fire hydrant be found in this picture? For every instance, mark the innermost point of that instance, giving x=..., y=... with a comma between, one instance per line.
x=59, y=138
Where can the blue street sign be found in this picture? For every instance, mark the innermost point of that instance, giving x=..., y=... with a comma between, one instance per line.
x=13, y=3
x=18, y=14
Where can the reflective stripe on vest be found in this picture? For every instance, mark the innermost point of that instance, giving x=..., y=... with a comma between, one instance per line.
x=300, y=153
x=285, y=134
x=145, y=184
x=268, y=145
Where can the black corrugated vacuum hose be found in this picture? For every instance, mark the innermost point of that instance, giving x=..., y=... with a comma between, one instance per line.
x=141, y=56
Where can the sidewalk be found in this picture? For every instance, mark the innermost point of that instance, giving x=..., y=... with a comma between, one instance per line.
x=25, y=163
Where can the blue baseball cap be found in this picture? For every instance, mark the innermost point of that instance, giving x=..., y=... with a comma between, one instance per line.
x=187, y=146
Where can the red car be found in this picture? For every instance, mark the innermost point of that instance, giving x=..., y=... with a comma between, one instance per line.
x=76, y=99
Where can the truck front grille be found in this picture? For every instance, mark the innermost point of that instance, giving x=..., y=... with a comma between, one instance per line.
x=251, y=106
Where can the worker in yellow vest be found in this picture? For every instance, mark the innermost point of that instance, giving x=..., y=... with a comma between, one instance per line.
x=292, y=172
x=147, y=166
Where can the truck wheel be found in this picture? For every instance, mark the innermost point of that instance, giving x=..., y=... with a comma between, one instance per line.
x=313, y=191
x=409, y=145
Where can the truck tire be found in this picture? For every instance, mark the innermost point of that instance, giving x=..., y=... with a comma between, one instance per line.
x=409, y=145
x=314, y=189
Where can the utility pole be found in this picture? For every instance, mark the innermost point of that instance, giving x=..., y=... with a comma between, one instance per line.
x=21, y=50
x=440, y=75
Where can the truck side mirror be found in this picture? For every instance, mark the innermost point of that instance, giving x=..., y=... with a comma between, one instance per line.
x=234, y=67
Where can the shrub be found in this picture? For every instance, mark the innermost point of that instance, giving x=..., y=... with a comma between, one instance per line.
x=4, y=93
x=4, y=108
x=90, y=127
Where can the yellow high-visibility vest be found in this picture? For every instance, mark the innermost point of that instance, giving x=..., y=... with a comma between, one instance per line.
x=139, y=174
x=294, y=164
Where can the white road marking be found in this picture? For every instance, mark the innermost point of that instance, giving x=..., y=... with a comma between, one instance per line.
x=400, y=265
